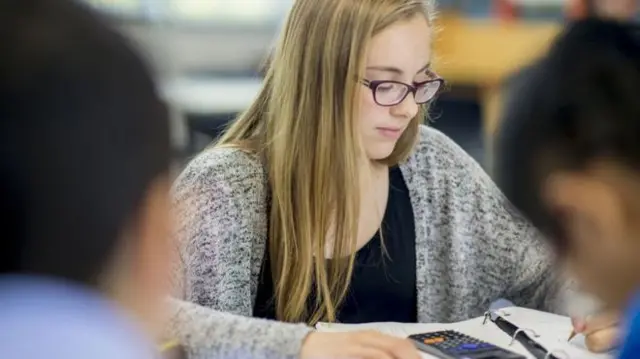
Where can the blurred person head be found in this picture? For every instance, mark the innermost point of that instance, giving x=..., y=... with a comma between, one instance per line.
x=570, y=158
x=615, y=9
x=84, y=156
x=619, y=10
x=346, y=88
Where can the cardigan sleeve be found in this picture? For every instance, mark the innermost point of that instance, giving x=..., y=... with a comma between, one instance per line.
x=207, y=334
x=511, y=249
x=220, y=203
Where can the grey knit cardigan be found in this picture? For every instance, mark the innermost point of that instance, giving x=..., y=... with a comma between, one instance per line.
x=471, y=249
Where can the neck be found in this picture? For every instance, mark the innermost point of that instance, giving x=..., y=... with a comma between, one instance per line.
x=370, y=168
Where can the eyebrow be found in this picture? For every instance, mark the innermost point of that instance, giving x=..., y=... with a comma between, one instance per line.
x=396, y=70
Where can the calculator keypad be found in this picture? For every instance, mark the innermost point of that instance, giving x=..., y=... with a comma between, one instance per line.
x=452, y=341
x=459, y=345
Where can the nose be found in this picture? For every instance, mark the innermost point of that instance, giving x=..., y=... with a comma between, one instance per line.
x=408, y=108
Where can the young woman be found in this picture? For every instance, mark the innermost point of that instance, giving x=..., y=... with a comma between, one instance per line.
x=328, y=200
x=571, y=157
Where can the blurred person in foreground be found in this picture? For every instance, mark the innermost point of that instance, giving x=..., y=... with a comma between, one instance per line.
x=598, y=329
x=84, y=161
x=84, y=184
x=570, y=157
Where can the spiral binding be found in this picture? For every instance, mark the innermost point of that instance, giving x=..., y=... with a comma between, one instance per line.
x=551, y=354
x=523, y=330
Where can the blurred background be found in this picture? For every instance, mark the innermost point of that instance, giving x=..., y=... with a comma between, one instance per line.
x=207, y=54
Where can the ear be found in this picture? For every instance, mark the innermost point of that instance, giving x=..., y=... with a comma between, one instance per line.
x=592, y=205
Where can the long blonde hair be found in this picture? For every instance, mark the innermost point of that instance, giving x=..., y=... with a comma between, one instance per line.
x=301, y=124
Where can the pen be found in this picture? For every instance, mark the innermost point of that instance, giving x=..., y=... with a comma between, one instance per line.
x=533, y=347
x=572, y=335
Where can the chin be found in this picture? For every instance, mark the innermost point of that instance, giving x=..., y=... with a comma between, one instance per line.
x=380, y=152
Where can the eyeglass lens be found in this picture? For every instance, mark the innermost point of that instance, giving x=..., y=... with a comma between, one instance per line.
x=392, y=93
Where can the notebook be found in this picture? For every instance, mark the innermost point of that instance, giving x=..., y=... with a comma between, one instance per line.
x=552, y=330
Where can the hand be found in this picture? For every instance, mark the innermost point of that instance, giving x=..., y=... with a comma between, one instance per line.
x=601, y=330
x=357, y=345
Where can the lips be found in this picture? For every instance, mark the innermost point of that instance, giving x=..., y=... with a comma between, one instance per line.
x=390, y=132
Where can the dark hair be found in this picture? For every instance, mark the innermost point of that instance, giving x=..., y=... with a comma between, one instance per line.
x=82, y=137
x=579, y=103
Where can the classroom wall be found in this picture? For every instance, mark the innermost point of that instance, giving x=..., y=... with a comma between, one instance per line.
x=174, y=50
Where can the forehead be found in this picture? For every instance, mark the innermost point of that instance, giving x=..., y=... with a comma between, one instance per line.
x=405, y=45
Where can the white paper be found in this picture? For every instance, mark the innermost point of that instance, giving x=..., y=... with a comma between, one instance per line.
x=552, y=330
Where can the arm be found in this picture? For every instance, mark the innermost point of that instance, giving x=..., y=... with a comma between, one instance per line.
x=513, y=249
x=208, y=334
x=220, y=200
x=220, y=204
x=533, y=281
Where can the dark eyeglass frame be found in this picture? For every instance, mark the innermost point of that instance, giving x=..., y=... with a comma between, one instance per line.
x=373, y=85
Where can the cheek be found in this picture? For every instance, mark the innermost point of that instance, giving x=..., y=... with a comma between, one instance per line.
x=370, y=112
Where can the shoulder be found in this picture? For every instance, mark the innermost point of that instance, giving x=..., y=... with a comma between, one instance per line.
x=62, y=322
x=438, y=155
x=451, y=178
x=221, y=169
x=432, y=142
x=68, y=338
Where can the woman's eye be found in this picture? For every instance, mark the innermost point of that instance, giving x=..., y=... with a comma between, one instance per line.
x=385, y=87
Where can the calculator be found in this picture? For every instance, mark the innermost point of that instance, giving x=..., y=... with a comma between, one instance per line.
x=450, y=344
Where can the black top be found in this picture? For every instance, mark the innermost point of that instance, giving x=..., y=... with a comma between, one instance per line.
x=383, y=286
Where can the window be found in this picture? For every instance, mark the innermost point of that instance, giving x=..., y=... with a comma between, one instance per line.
x=198, y=12
x=225, y=11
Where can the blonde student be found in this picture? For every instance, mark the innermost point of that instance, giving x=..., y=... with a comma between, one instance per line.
x=328, y=199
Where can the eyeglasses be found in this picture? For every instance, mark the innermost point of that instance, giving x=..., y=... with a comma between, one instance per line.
x=391, y=93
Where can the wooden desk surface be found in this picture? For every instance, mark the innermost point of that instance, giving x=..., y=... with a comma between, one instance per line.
x=484, y=52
